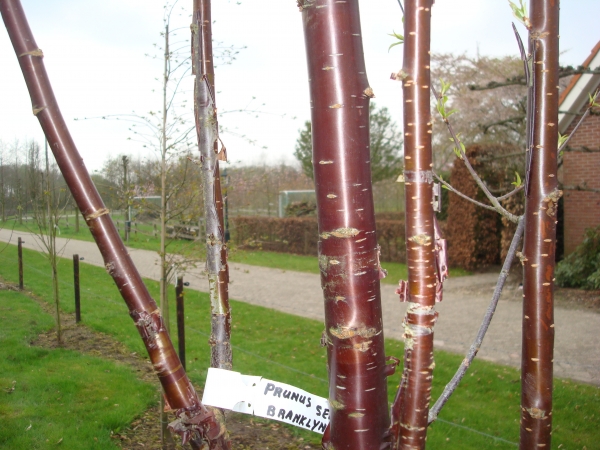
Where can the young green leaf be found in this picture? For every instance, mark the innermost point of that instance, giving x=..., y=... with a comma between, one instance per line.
x=520, y=12
x=518, y=181
x=400, y=40
x=562, y=138
x=442, y=99
x=593, y=98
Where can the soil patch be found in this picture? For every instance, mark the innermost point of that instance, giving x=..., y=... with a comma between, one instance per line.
x=246, y=432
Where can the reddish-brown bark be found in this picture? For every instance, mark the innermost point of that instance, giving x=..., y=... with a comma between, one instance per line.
x=540, y=229
x=410, y=415
x=348, y=259
x=193, y=417
x=208, y=137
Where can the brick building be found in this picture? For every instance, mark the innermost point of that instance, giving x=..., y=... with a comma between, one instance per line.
x=581, y=159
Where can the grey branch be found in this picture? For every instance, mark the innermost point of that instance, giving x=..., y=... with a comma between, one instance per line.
x=496, y=206
x=487, y=319
x=460, y=194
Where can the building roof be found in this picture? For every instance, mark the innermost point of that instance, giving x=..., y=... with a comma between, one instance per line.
x=575, y=96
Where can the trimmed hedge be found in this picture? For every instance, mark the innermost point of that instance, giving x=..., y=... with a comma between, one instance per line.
x=473, y=233
x=300, y=235
x=581, y=269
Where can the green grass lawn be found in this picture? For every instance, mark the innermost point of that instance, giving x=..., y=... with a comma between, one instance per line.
x=61, y=398
x=483, y=413
x=142, y=235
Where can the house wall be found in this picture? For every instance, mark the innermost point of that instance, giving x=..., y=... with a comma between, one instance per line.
x=581, y=168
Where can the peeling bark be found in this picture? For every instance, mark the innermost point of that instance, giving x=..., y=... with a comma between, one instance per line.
x=192, y=415
x=208, y=144
x=540, y=229
x=410, y=412
x=348, y=253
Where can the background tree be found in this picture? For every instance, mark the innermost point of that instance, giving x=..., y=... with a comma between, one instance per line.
x=18, y=182
x=177, y=387
x=2, y=179
x=385, y=146
x=482, y=116
x=48, y=200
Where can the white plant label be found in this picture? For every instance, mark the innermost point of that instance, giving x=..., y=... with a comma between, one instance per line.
x=266, y=398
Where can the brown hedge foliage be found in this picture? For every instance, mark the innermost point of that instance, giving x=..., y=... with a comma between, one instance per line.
x=389, y=215
x=390, y=237
x=473, y=233
x=299, y=235
x=290, y=234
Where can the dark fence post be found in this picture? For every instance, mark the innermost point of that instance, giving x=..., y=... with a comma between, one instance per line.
x=76, y=286
x=180, y=321
x=20, y=247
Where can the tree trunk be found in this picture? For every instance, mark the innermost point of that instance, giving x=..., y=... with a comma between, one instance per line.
x=2, y=191
x=165, y=435
x=53, y=206
x=194, y=419
x=76, y=210
x=415, y=389
x=208, y=137
x=348, y=253
x=539, y=244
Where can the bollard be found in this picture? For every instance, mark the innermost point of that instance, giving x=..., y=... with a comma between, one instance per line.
x=20, y=252
x=180, y=320
x=76, y=286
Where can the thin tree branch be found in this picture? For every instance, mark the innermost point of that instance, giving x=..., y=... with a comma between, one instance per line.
x=511, y=193
x=585, y=114
x=526, y=72
x=511, y=120
x=580, y=188
x=521, y=80
x=495, y=204
x=485, y=324
x=460, y=194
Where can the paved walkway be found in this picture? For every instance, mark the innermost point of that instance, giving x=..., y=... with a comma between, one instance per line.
x=577, y=353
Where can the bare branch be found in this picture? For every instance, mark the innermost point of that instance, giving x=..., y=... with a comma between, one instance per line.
x=520, y=80
x=583, y=117
x=460, y=194
x=511, y=120
x=511, y=193
x=580, y=188
x=485, y=324
x=496, y=205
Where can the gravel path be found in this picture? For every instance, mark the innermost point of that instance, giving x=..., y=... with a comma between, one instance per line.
x=577, y=354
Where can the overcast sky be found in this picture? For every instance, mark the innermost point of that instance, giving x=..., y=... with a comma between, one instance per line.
x=95, y=55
